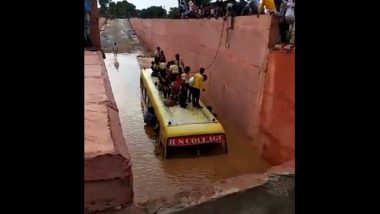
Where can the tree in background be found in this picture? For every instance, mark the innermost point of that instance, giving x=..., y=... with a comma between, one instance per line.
x=112, y=10
x=153, y=12
x=120, y=10
x=104, y=3
x=103, y=7
x=125, y=9
x=173, y=12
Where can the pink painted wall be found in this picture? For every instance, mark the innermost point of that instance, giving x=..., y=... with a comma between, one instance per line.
x=237, y=76
x=277, y=113
x=108, y=177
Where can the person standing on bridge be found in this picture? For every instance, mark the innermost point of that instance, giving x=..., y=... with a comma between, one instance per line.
x=269, y=6
x=290, y=19
x=239, y=7
x=253, y=6
x=197, y=86
x=284, y=23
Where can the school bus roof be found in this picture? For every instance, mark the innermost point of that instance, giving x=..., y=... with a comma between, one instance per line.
x=189, y=121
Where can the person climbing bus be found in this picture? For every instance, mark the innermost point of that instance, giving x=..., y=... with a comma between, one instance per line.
x=150, y=117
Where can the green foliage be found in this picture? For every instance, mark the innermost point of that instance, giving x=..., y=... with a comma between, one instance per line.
x=104, y=4
x=153, y=12
x=173, y=12
x=124, y=9
x=121, y=9
x=102, y=12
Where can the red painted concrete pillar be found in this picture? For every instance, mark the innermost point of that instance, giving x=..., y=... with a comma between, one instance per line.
x=94, y=25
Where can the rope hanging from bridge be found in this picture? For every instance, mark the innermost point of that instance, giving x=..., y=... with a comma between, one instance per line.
x=227, y=43
x=217, y=51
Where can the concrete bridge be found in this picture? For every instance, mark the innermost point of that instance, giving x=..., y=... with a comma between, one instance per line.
x=251, y=68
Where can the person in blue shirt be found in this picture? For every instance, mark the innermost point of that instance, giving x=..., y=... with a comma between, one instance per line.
x=150, y=117
x=87, y=12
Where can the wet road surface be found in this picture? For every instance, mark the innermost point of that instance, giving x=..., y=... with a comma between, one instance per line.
x=155, y=176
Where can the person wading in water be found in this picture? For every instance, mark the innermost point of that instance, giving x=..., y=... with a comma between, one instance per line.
x=115, y=49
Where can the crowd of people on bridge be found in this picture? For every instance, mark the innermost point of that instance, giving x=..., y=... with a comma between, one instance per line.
x=284, y=9
x=221, y=8
x=175, y=82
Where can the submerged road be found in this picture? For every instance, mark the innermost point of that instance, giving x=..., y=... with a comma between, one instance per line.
x=154, y=176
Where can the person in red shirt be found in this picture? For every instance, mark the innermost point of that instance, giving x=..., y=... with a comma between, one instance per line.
x=176, y=87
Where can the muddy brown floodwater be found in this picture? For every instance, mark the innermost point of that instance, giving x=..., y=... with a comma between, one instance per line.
x=154, y=176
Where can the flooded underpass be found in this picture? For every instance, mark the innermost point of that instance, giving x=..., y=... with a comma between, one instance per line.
x=154, y=176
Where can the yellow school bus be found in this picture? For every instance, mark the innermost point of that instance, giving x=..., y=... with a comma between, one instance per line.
x=179, y=126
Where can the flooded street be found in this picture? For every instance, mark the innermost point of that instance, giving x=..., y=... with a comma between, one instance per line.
x=153, y=175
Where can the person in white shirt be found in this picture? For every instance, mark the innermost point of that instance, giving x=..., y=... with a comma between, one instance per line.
x=156, y=53
x=173, y=70
x=287, y=20
x=191, y=6
x=289, y=15
x=190, y=97
x=185, y=76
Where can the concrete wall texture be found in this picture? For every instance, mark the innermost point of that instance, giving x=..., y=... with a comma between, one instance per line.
x=250, y=86
x=107, y=166
x=276, y=131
